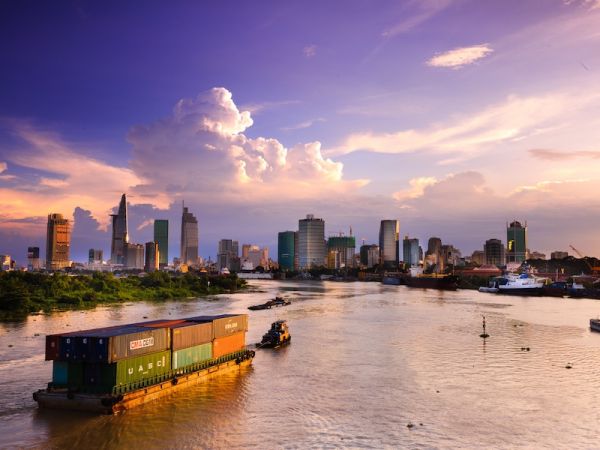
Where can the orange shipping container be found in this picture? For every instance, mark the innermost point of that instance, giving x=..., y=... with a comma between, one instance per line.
x=229, y=344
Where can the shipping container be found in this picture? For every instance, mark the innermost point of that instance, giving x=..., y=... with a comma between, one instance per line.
x=106, y=376
x=229, y=344
x=114, y=345
x=159, y=323
x=191, y=355
x=67, y=373
x=224, y=324
x=190, y=334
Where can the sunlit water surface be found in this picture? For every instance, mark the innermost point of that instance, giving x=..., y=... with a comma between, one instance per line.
x=365, y=361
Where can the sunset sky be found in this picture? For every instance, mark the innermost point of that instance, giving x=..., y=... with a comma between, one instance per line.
x=453, y=116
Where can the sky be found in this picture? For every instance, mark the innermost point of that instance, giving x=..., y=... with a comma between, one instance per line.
x=452, y=116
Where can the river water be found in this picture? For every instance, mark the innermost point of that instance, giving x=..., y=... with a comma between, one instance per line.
x=365, y=361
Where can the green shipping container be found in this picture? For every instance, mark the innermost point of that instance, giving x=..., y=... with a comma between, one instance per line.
x=191, y=355
x=135, y=369
x=65, y=373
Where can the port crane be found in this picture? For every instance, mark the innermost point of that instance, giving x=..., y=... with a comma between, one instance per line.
x=595, y=269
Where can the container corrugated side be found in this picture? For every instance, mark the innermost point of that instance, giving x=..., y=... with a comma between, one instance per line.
x=229, y=344
x=67, y=373
x=190, y=334
x=192, y=355
x=115, y=345
x=224, y=324
x=159, y=323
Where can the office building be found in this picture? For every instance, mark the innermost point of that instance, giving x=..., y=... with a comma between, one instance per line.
x=6, y=263
x=33, y=258
x=449, y=255
x=95, y=256
x=369, y=255
x=410, y=252
x=120, y=235
x=536, y=255
x=189, y=238
x=494, y=254
x=340, y=251
x=58, y=242
x=389, y=245
x=311, y=242
x=161, y=236
x=228, y=255
x=134, y=256
x=559, y=255
x=516, y=238
x=152, y=260
x=286, y=250
x=253, y=256
x=478, y=257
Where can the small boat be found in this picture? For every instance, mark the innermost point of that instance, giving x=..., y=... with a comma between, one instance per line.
x=277, y=335
x=595, y=325
x=433, y=281
x=523, y=284
x=275, y=303
x=555, y=289
x=491, y=288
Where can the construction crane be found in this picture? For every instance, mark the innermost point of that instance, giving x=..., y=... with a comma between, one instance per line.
x=595, y=269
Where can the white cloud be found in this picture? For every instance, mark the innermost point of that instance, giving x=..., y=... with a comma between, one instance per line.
x=302, y=125
x=460, y=57
x=416, y=189
x=3, y=166
x=309, y=51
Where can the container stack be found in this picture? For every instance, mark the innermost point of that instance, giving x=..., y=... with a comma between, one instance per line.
x=102, y=359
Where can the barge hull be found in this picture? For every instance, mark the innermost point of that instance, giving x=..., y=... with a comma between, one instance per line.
x=112, y=404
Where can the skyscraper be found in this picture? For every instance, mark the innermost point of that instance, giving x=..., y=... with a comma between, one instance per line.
x=152, y=257
x=516, y=242
x=389, y=245
x=228, y=255
x=493, y=251
x=340, y=251
x=189, y=238
x=161, y=236
x=311, y=242
x=58, y=242
x=369, y=255
x=120, y=235
x=134, y=256
x=286, y=250
x=33, y=258
x=410, y=252
x=95, y=256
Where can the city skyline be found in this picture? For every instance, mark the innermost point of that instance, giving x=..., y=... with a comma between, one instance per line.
x=451, y=116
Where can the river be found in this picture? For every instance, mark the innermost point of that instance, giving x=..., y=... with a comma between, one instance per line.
x=365, y=361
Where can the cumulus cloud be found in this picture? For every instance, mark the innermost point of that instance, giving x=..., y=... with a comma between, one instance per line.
x=309, y=51
x=460, y=57
x=514, y=119
x=557, y=155
x=417, y=186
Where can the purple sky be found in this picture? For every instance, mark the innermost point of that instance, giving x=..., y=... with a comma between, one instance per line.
x=452, y=116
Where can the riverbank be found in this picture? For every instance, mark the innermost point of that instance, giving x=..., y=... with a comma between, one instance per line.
x=22, y=293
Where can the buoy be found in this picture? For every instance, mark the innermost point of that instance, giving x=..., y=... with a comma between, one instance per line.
x=484, y=334
x=568, y=366
x=409, y=425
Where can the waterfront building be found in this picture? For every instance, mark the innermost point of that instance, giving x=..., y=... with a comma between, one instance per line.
x=389, y=243
x=189, y=238
x=33, y=258
x=228, y=255
x=134, y=256
x=557, y=254
x=478, y=257
x=433, y=256
x=58, y=242
x=311, y=242
x=494, y=253
x=253, y=256
x=410, y=252
x=343, y=248
x=161, y=236
x=95, y=256
x=516, y=238
x=536, y=255
x=286, y=250
x=152, y=260
x=5, y=263
x=369, y=255
x=120, y=235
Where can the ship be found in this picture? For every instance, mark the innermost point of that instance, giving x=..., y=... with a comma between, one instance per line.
x=275, y=303
x=278, y=335
x=595, y=324
x=433, y=281
x=523, y=284
x=109, y=370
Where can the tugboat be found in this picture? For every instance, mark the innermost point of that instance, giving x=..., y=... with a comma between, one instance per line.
x=595, y=324
x=277, y=302
x=277, y=336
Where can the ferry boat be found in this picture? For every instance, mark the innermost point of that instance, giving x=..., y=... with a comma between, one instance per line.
x=523, y=284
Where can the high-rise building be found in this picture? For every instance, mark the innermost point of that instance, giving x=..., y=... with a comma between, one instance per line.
x=33, y=258
x=516, y=242
x=311, y=242
x=152, y=261
x=189, y=238
x=120, y=235
x=369, y=255
x=340, y=251
x=433, y=256
x=95, y=256
x=134, y=256
x=478, y=257
x=494, y=254
x=161, y=236
x=286, y=250
x=228, y=255
x=410, y=252
x=449, y=255
x=58, y=242
x=559, y=255
x=6, y=263
x=389, y=243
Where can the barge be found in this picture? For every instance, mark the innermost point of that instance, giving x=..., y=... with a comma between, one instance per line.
x=112, y=369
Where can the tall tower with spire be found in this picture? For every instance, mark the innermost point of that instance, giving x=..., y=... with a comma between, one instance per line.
x=119, y=233
x=189, y=237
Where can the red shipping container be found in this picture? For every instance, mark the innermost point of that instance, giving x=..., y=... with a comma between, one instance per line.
x=229, y=344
